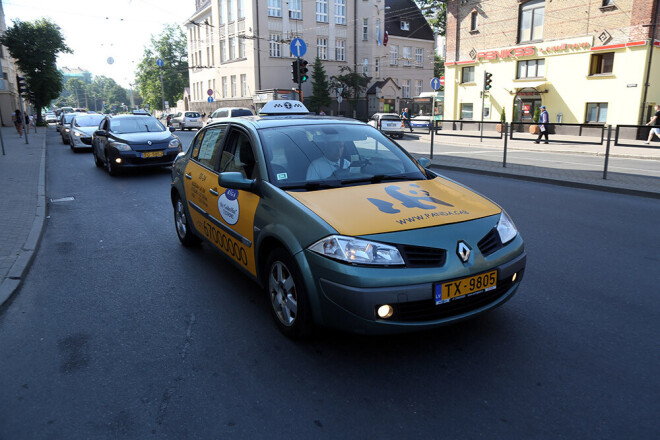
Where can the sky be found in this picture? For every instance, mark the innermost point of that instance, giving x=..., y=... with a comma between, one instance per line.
x=100, y=29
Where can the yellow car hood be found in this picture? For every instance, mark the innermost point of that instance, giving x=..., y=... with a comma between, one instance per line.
x=398, y=206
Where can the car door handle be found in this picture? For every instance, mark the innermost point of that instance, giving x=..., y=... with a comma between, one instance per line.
x=188, y=176
x=214, y=192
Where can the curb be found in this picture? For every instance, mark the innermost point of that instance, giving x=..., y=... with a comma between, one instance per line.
x=18, y=270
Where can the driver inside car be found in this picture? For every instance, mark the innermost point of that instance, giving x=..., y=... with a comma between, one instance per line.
x=331, y=161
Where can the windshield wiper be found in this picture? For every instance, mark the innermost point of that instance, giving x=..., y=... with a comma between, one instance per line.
x=313, y=186
x=378, y=178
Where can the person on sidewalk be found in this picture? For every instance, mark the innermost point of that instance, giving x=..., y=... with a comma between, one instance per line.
x=655, y=121
x=543, y=125
x=27, y=123
x=17, y=117
x=406, y=118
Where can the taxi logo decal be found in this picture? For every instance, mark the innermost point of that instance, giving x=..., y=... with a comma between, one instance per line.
x=228, y=206
x=149, y=142
x=410, y=200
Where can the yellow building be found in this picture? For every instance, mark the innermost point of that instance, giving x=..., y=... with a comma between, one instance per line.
x=586, y=61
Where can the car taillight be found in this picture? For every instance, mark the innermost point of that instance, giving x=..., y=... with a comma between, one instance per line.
x=402, y=124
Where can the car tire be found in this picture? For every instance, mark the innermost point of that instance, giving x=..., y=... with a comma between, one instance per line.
x=63, y=140
x=287, y=295
x=110, y=166
x=182, y=224
x=98, y=162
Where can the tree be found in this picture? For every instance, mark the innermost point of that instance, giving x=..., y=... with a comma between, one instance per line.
x=35, y=46
x=438, y=66
x=320, y=88
x=435, y=12
x=171, y=47
x=352, y=83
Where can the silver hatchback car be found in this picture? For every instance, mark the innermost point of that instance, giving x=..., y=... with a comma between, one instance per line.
x=187, y=121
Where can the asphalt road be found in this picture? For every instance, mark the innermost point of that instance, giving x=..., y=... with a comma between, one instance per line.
x=121, y=333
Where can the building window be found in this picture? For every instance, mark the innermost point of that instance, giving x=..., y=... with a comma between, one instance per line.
x=295, y=9
x=419, y=57
x=365, y=66
x=377, y=37
x=466, y=111
x=467, y=74
x=275, y=45
x=405, y=25
x=607, y=3
x=233, y=86
x=365, y=29
x=473, y=21
x=322, y=48
x=213, y=56
x=232, y=48
x=223, y=53
x=419, y=88
x=602, y=63
x=274, y=8
x=340, y=50
x=322, y=11
x=243, y=84
x=230, y=10
x=531, y=69
x=405, y=90
x=531, y=21
x=241, y=46
x=340, y=11
x=241, y=9
x=407, y=55
x=596, y=112
x=394, y=55
x=224, y=86
x=377, y=67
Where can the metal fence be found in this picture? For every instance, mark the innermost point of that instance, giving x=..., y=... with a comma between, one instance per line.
x=632, y=133
x=474, y=129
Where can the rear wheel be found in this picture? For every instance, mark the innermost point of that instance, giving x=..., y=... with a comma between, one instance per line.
x=288, y=298
x=186, y=236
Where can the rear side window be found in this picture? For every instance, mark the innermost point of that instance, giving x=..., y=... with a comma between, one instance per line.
x=220, y=114
x=390, y=118
x=208, y=145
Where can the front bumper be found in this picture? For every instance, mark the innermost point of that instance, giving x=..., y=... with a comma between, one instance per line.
x=354, y=308
x=82, y=141
x=134, y=158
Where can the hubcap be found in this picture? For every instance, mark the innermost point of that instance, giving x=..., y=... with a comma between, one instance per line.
x=283, y=294
x=181, y=226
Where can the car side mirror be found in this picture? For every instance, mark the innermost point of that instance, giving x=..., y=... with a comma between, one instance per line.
x=100, y=133
x=425, y=162
x=172, y=129
x=235, y=180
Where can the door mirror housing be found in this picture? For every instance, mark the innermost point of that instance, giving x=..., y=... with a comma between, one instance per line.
x=235, y=180
x=425, y=162
x=100, y=133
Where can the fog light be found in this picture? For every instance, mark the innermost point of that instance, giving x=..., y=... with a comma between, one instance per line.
x=385, y=311
x=118, y=160
x=513, y=278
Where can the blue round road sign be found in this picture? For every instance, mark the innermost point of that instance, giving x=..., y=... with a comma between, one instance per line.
x=159, y=62
x=435, y=83
x=210, y=99
x=298, y=47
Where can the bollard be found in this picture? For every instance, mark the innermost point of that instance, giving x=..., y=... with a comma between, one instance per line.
x=506, y=128
x=607, y=150
x=432, y=132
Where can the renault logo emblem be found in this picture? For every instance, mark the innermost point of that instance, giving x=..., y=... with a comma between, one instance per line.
x=463, y=251
x=149, y=142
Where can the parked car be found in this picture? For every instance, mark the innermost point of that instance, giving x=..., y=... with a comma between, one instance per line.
x=421, y=121
x=82, y=128
x=51, y=117
x=389, y=123
x=341, y=226
x=229, y=112
x=64, y=126
x=125, y=141
x=187, y=121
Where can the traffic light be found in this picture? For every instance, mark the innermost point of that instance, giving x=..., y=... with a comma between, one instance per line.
x=295, y=71
x=303, y=70
x=32, y=97
x=20, y=83
x=488, y=80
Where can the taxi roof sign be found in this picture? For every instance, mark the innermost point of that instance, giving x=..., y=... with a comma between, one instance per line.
x=284, y=107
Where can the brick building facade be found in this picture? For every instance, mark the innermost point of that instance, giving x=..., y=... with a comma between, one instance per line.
x=586, y=60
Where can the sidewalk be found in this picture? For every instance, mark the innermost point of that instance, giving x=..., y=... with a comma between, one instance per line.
x=23, y=196
x=22, y=204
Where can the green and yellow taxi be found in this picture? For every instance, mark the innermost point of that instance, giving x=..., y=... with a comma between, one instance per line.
x=341, y=226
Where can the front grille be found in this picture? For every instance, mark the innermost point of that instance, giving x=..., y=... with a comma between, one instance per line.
x=420, y=256
x=490, y=243
x=426, y=310
x=86, y=140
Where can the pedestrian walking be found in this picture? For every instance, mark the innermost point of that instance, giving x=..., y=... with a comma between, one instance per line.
x=655, y=121
x=406, y=118
x=27, y=123
x=543, y=125
x=17, y=117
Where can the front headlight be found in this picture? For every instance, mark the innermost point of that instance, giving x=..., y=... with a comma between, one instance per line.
x=354, y=250
x=77, y=133
x=121, y=146
x=506, y=228
x=175, y=143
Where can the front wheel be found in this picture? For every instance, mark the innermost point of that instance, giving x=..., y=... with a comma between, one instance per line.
x=113, y=170
x=186, y=236
x=98, y=162
x=288, y=298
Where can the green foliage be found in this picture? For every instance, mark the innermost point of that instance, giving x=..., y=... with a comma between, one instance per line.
x=503, y=115
x=438, y=66
x=102, y=92
x=171, y=47
x=537, y=114
x=35, y=46
x=320, y=98
x=435, y=12
x=353, y=84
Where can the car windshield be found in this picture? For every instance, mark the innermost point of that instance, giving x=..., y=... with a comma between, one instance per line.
x=241, y=112
x=88, y=120
x=192, y=115
x=67, y=118
x=310, y=157
x=138, y=124
x=390, y=118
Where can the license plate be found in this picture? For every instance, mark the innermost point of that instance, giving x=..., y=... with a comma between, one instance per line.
x=473, y=285
x=153, y=154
